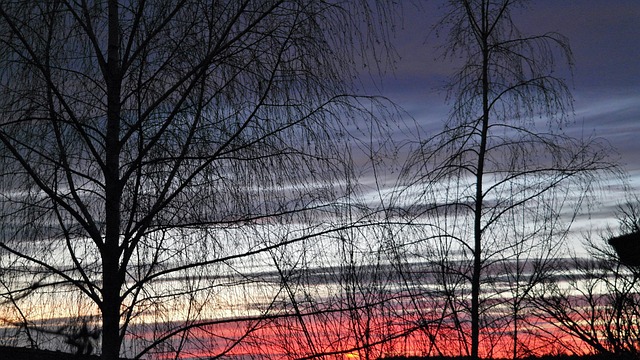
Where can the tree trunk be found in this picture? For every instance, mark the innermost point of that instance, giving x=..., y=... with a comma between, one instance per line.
x=112, y=278
x=515, y=332
x=477, y=254
x=111, y=341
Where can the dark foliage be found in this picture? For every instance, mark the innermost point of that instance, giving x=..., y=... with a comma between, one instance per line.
x=19, y=353
x=544, y=357
x=628, y=248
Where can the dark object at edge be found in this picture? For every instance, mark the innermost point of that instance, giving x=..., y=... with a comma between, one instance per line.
x=21, y=353
x=628, y=248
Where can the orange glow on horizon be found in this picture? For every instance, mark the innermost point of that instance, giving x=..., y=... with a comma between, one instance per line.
x=275, y=340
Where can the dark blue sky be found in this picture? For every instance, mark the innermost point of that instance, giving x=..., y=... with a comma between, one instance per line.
x=605, y=38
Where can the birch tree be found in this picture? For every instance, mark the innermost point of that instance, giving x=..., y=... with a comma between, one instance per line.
x=156, y=152
x=493, y=185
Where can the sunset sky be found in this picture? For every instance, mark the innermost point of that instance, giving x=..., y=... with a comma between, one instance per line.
x=605, y=39
x=259, y=277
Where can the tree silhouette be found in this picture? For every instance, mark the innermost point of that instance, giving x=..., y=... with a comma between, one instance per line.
x=154, y=153
x=598, y=301
x=492, y=186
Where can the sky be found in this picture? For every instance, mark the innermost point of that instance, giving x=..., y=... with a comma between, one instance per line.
x=604, y=36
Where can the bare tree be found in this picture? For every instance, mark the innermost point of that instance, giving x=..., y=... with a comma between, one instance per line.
x=486, y=186
x=155, y=155
x=598, y=303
